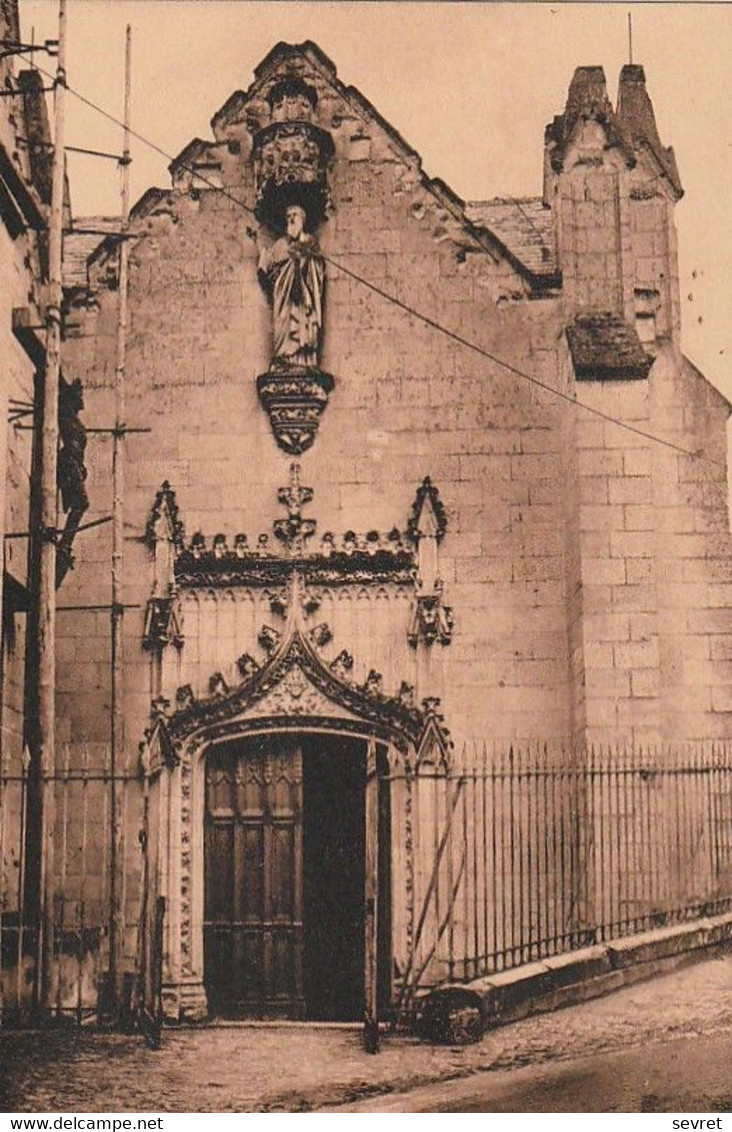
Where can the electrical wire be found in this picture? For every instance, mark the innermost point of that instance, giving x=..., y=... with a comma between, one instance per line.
x=427, y=320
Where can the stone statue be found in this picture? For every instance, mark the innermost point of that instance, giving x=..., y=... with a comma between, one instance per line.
x=292, y=274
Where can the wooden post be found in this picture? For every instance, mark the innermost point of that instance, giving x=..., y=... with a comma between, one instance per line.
x=46, y=622
x=116, y=882
x=371, y=895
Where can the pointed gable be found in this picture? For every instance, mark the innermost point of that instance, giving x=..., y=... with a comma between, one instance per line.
x=587, y=101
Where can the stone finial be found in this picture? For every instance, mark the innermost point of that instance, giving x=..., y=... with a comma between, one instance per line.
x=217, y=685
x=268, y=638
x=247, y=666
x=294, y=530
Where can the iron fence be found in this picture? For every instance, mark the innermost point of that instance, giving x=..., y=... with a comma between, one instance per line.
x=520, y=854
x=503, y=857
x=81, y=963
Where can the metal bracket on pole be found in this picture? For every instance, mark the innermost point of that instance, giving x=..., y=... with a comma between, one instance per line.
x=8, y=48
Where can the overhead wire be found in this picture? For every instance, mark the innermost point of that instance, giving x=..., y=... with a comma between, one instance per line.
x=426, y=319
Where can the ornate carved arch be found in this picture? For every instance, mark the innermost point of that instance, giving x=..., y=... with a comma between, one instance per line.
x=294, y=689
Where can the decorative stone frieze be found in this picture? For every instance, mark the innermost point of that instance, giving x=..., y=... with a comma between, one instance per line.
x=402, y=559
x=348, y=559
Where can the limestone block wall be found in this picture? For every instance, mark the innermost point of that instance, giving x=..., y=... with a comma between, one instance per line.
x=555, y=562
x=656, y=559
x=594, y=215
x=408, y=402
x=655, y=264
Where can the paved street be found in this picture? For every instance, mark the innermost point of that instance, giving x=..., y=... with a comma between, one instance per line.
x=681, y=1074
x=686, y=1017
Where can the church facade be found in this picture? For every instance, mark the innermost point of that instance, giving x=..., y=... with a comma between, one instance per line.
x=367, y=525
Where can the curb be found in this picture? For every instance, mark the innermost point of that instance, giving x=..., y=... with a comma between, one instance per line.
x=460, y=1013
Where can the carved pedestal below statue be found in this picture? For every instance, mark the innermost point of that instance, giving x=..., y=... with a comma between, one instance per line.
x=294, y=397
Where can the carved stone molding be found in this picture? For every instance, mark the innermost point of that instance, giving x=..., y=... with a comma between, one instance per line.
x=164, y=519
x=374, y=558
x=294, y=398
x=396, y=560
x=163, y=624
x=291, y=162
x=428, y=514
x=435, y=745
x=293, y=531
x=71, y=471
x=431, y=619
x=295, y=682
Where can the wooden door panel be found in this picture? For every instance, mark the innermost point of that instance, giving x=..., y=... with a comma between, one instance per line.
x=253, y=902
x=219, y=852
x=282, y=902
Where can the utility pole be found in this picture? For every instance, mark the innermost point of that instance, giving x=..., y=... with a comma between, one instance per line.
x=116, y=888
x=46, y=623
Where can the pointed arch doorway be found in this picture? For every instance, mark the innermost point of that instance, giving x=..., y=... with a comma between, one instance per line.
x=287, y=895
x=261, y=782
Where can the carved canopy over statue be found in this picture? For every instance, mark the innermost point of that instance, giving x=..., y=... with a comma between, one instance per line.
x=291, y=157
x=292, y=273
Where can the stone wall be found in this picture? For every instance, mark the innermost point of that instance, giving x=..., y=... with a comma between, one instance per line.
x=565, y=532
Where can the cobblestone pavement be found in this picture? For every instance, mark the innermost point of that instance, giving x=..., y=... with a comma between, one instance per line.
x=254, y=1069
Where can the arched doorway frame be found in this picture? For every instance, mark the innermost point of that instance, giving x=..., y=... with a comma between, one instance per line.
x=294, y=692
x=184, y=925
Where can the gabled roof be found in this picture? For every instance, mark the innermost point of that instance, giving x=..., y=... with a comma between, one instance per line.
x=80, y=245
x=524, y=225
x=484, y=235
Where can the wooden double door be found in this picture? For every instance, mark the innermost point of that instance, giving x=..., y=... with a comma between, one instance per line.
x=284, y=919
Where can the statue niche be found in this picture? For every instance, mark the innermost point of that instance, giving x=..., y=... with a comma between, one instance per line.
x=292, y=275
x=291, y=157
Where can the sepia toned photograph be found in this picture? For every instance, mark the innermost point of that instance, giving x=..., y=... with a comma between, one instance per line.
x=366, y=638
